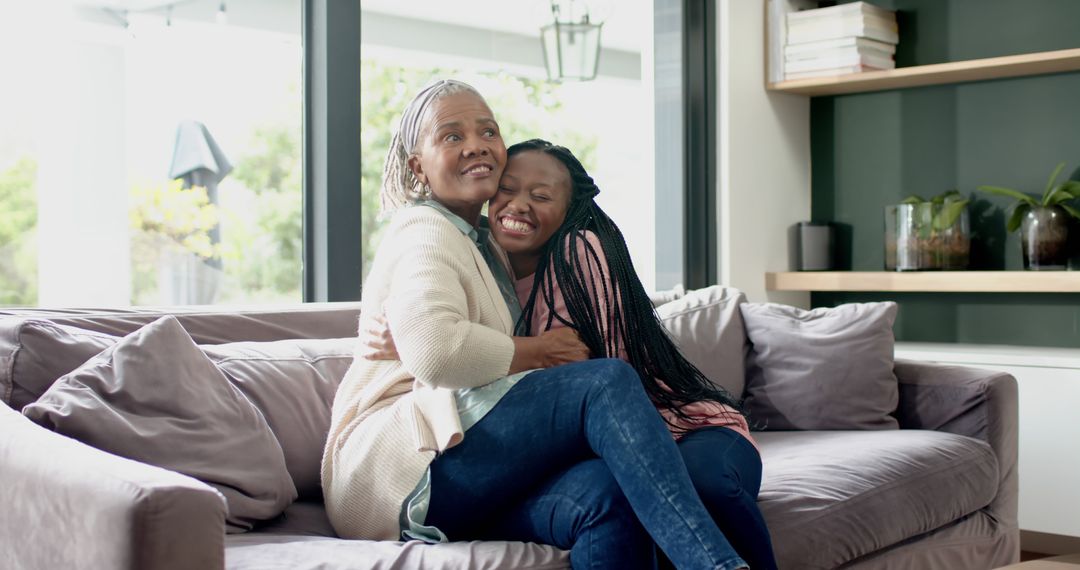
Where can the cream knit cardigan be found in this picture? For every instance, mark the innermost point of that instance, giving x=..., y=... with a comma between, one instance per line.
x=452, y=330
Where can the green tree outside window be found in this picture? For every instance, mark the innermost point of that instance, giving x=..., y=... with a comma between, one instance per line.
x=18, y=233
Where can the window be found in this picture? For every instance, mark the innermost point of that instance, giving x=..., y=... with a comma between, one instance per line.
x=151, y=154
x=606, y=122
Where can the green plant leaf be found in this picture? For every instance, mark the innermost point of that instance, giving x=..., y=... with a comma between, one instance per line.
x=913, y=199
x=950, y=212
x=923, y=216
x=1009, y=193
x=1050, y=183
x=1072, y=187
x=1018, y=213
x=1055, y=196
x=1062, y=193
x=1071, y=210
x=952, y=196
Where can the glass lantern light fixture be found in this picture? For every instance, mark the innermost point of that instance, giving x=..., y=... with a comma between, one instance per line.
x=571, y=45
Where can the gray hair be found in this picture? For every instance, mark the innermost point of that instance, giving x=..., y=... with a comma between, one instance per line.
x=399, y=185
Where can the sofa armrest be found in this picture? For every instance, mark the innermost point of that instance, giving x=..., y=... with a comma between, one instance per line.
x=966, y=401
x=68, y=505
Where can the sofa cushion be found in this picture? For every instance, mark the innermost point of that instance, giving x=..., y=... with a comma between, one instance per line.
x=302, y=538
x=827, y=368
x=292, y=382
x=830, y=497
x=658, y=298
x=707, y=327
x=156, y=398
x=37, y=352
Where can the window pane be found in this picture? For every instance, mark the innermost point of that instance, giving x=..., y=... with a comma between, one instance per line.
x=153, y=156
x=607, y=122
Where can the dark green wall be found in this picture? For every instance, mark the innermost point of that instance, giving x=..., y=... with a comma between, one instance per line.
x=873, y=149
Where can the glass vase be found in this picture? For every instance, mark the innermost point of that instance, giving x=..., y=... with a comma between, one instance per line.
x=921, y=237
x=1044, y=238
x=955, y=241
x=910, y=239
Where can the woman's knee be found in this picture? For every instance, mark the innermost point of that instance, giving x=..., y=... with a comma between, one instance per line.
x=612, y=372
x=721, y=465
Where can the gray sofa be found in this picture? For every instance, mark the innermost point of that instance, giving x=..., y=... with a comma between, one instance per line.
x=941, y=492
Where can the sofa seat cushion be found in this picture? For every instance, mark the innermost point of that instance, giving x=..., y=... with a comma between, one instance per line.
x=830, y=497
x=302, y=538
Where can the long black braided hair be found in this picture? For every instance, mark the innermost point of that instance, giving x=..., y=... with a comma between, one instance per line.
x=627, y=313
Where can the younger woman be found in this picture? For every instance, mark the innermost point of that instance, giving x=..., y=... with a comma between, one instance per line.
x=547, y=220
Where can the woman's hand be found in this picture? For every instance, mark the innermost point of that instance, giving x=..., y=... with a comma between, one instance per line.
x=563, y=346
x=551, y=348
x=376, y=341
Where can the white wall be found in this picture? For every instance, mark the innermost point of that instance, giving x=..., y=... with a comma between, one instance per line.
x=763, y=156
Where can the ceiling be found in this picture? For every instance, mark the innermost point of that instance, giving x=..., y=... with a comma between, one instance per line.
x=626, y=22
x=130, y=5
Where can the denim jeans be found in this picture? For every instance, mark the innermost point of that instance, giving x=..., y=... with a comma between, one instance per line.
x=526, y=471
x=726, y=470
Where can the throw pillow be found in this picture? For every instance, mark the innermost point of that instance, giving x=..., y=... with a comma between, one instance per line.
x=38, y=352
x=292, y=382
x=156, y=398
x=707, y=327
x=822, y=369
x=658, y=298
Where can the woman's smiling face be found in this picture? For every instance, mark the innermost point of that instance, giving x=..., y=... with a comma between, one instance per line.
x=461, y=154
x=534, y=195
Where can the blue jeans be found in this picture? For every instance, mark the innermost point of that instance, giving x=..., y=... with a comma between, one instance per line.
x=528, y=471
x=726, y=470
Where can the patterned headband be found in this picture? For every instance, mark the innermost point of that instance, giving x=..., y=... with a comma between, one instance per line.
x=409, y=128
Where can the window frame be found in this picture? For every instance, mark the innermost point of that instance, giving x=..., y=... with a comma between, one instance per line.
x=331, y=151
x=700, y=213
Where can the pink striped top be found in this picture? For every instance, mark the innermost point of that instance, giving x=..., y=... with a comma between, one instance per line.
x=701, y=413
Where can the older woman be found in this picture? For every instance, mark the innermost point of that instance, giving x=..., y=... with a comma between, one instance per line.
x=474, y=433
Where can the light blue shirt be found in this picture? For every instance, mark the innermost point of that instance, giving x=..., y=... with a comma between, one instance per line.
x=472, y=403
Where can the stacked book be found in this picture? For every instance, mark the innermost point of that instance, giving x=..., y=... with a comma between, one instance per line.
x=842, y=39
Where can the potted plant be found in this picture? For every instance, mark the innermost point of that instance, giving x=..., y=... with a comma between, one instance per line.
x=1043, y=221
x=927, y=234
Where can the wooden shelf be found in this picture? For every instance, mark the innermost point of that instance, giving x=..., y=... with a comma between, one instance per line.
x=927, y=281
x=936, y=74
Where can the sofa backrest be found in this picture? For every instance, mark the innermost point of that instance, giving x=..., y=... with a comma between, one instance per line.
x=208, y=324
x=38, y=346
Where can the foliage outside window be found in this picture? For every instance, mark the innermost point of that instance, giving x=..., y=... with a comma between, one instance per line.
x=260, y=212
x=262, y=231
x=18, y=232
